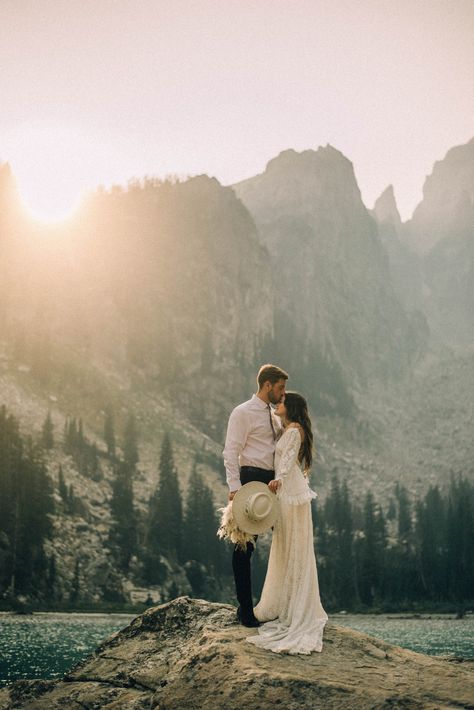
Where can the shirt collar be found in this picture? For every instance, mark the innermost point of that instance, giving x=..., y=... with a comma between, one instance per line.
x=258, y=402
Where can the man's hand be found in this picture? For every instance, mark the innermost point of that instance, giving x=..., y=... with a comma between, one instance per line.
x=274, y=485
x=232, y=494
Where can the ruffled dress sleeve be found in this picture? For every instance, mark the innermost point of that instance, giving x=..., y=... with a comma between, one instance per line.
x=289, y=455
x=294, y=487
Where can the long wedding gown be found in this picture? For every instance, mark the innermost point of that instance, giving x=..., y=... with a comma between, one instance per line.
x=290, y=600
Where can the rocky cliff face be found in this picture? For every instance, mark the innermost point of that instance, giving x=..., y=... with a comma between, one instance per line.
x=442, y=232
x=335, y=297
x=187, y=270
x=157, y=284
x=405, y=265
x=192, y=654
x=448, y=196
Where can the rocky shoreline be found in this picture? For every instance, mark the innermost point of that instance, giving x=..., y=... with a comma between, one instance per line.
x=190, y=653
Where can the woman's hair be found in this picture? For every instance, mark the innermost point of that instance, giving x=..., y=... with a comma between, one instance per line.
x=297, y=411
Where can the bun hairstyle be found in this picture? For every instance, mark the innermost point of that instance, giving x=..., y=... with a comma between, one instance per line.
x=297, y=411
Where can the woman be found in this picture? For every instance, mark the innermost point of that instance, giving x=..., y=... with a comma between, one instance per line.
x=290, y=600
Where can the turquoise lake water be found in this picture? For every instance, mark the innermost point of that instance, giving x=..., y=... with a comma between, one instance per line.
x=48, y=645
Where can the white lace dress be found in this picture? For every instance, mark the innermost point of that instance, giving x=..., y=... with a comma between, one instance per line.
x=290, y=602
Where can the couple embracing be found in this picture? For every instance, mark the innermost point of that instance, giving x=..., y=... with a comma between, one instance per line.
x=274, y=447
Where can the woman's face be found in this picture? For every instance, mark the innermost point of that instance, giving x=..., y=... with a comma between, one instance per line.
x=280, y=410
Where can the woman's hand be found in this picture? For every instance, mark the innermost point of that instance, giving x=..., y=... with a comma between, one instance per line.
x=274, y=485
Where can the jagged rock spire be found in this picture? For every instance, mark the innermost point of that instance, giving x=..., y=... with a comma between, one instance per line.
x=386, y=209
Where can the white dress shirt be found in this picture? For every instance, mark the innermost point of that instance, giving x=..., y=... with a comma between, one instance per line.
x=250, y=439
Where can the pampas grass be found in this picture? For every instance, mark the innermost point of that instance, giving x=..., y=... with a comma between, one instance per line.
x=228, y=529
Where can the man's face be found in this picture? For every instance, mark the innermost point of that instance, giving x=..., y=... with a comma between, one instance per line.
x=276, y=393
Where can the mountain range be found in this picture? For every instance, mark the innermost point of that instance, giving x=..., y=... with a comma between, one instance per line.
x=162, y=299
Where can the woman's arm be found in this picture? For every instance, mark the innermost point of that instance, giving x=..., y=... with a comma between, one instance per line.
x=288, y=458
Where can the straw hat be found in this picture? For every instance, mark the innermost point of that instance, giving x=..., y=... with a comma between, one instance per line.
x=255, y=507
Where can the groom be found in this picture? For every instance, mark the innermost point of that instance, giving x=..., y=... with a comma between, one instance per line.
x=248, y=456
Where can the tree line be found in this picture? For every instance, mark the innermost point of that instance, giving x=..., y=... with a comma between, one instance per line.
x=404, y=553
x=25, y=504
x=176, y=531
x=413, y=552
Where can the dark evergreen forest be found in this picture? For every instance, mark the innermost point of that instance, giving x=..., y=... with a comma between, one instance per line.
x=399, y=554
x=391, y=555
x=25, y=505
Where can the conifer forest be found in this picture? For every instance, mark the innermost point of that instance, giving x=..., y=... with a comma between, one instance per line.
x=400, y=553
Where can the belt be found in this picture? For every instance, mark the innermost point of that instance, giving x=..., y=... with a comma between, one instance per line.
x=256, y=469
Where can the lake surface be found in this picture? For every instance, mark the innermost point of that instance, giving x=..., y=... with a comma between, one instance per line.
x=436, y=635
x=48, y=645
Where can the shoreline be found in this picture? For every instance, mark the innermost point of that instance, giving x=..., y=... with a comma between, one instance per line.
x=426, y=615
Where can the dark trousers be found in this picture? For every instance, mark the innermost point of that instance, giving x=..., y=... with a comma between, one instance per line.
x=241, y=558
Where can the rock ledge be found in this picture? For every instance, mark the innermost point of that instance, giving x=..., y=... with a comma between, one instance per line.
x=191, y=654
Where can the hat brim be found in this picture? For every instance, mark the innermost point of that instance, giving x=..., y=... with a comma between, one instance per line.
x=239, y=513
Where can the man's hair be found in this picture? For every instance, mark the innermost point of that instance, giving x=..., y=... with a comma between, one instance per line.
x=270, y=373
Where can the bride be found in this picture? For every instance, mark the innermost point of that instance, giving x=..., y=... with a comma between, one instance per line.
x=290, y=602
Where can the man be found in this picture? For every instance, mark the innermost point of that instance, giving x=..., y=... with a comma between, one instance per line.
x=248, y=456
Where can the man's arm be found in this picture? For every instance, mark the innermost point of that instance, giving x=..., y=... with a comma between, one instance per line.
x=237, y=431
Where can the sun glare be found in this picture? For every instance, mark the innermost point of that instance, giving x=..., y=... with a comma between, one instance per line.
x=48, y=202
x=50, y=164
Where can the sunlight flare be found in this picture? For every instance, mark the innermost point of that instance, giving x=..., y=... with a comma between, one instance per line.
x=48, y=205
x=50, y=166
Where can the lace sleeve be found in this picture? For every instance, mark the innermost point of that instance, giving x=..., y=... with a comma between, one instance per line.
x=289, y=454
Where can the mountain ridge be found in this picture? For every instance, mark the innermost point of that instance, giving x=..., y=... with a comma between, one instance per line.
x=310, y=213
x=167, y=297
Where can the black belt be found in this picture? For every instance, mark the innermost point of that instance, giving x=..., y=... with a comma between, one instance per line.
x=254, y=473
x=257, y=469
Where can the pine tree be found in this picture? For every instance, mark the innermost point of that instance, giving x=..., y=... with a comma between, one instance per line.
x=337, y=546
x=165, y=508
x=109, y=433
x=80, y=433
x=47, y=432
x=65, y=433
x=404, y=580
x=200, y=524
x=371, y=551
x=460, y=540
x=431, y=544
x=71, y=500
x=123, y=533
x=70, y=436
x=130, y=447
x=76, y=584
x=62, y=487
x=92, y=465
x=51, y=580
x=346, y=541
x=84, y=454
x=404, y=518
x=25, y=505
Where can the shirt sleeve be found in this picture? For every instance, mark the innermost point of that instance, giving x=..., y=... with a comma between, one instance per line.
x=237, y=432
x=289, y=455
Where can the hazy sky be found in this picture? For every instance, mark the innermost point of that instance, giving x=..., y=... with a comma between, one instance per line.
x=99, y=91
